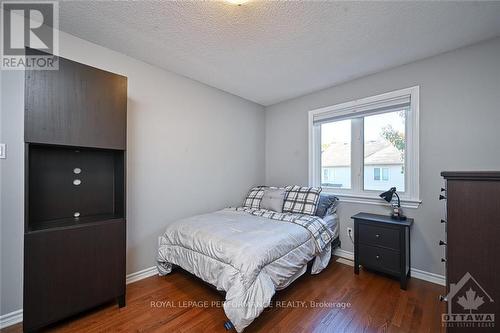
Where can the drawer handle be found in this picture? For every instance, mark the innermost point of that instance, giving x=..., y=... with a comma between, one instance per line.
x=441, y=197
x=377, y=257
x=443, y=221
x=441, y=243
x=443, y=298
x=443, y=259
x=377, y=236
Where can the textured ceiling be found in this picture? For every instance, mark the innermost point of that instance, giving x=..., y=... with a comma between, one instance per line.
x=268, y=52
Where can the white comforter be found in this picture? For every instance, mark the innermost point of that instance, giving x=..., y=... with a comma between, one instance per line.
x=247, y=256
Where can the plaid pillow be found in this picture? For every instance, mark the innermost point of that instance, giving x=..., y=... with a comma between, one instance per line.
x=254, y=197
x=302, y=200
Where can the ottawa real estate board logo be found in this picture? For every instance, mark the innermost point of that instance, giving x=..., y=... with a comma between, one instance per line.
x=469, y=305
x=30, y=35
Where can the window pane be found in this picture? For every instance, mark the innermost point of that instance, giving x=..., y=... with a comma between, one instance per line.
x=385, y=173
x=384, y=151
x=336, y=154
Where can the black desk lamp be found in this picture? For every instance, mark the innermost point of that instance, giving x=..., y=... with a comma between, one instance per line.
x=397, y=213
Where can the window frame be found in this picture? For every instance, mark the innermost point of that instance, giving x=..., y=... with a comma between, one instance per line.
x=356, y=194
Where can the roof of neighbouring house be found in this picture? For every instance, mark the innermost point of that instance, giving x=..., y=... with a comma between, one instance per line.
x=338, y=154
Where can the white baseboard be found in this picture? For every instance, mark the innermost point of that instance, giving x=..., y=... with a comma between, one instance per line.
x=345, y=261
x=427, y=276
x=415, y=273
x=11, y=318
x=145, y=273
x=16, y=317
x=344, y=254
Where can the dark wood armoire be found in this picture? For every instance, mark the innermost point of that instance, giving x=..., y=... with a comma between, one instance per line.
x=472, y=251
x=75, y=228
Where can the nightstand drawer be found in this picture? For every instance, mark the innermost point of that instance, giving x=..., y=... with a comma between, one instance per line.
x=381, y=259
x=379, y=236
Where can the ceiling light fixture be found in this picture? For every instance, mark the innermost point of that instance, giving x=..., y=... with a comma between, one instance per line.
x=237, y=2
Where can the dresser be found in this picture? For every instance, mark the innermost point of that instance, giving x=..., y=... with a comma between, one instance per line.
x=471, y=249
x=382, y=244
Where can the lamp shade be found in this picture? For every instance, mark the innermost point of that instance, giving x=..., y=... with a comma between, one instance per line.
x=387, y=196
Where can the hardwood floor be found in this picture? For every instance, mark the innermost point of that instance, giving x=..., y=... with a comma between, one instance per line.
x=376, y=305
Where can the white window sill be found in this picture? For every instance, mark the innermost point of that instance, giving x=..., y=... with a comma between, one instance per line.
x=372, y=199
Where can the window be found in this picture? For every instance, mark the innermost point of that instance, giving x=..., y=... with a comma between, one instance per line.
x=379, y=174
x=385, y=174
x=384, y=149
x=361, y=148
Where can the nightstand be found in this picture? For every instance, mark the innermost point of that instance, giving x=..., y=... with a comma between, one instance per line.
x=382, y=244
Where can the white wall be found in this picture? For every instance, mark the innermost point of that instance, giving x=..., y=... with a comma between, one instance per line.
x=11, y=190
x=459, y=130
x=191, y=149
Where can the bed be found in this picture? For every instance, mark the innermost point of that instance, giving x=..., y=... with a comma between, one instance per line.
x=248, y=253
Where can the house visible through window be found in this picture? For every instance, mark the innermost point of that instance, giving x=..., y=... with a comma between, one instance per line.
x=336, y=154
x=384, y=150
x=364, y=147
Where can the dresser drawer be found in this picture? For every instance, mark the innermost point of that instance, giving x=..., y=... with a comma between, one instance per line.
x=380, y=259
x=379, y=236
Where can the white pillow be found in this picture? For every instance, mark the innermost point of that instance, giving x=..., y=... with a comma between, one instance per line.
x=273, y=199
